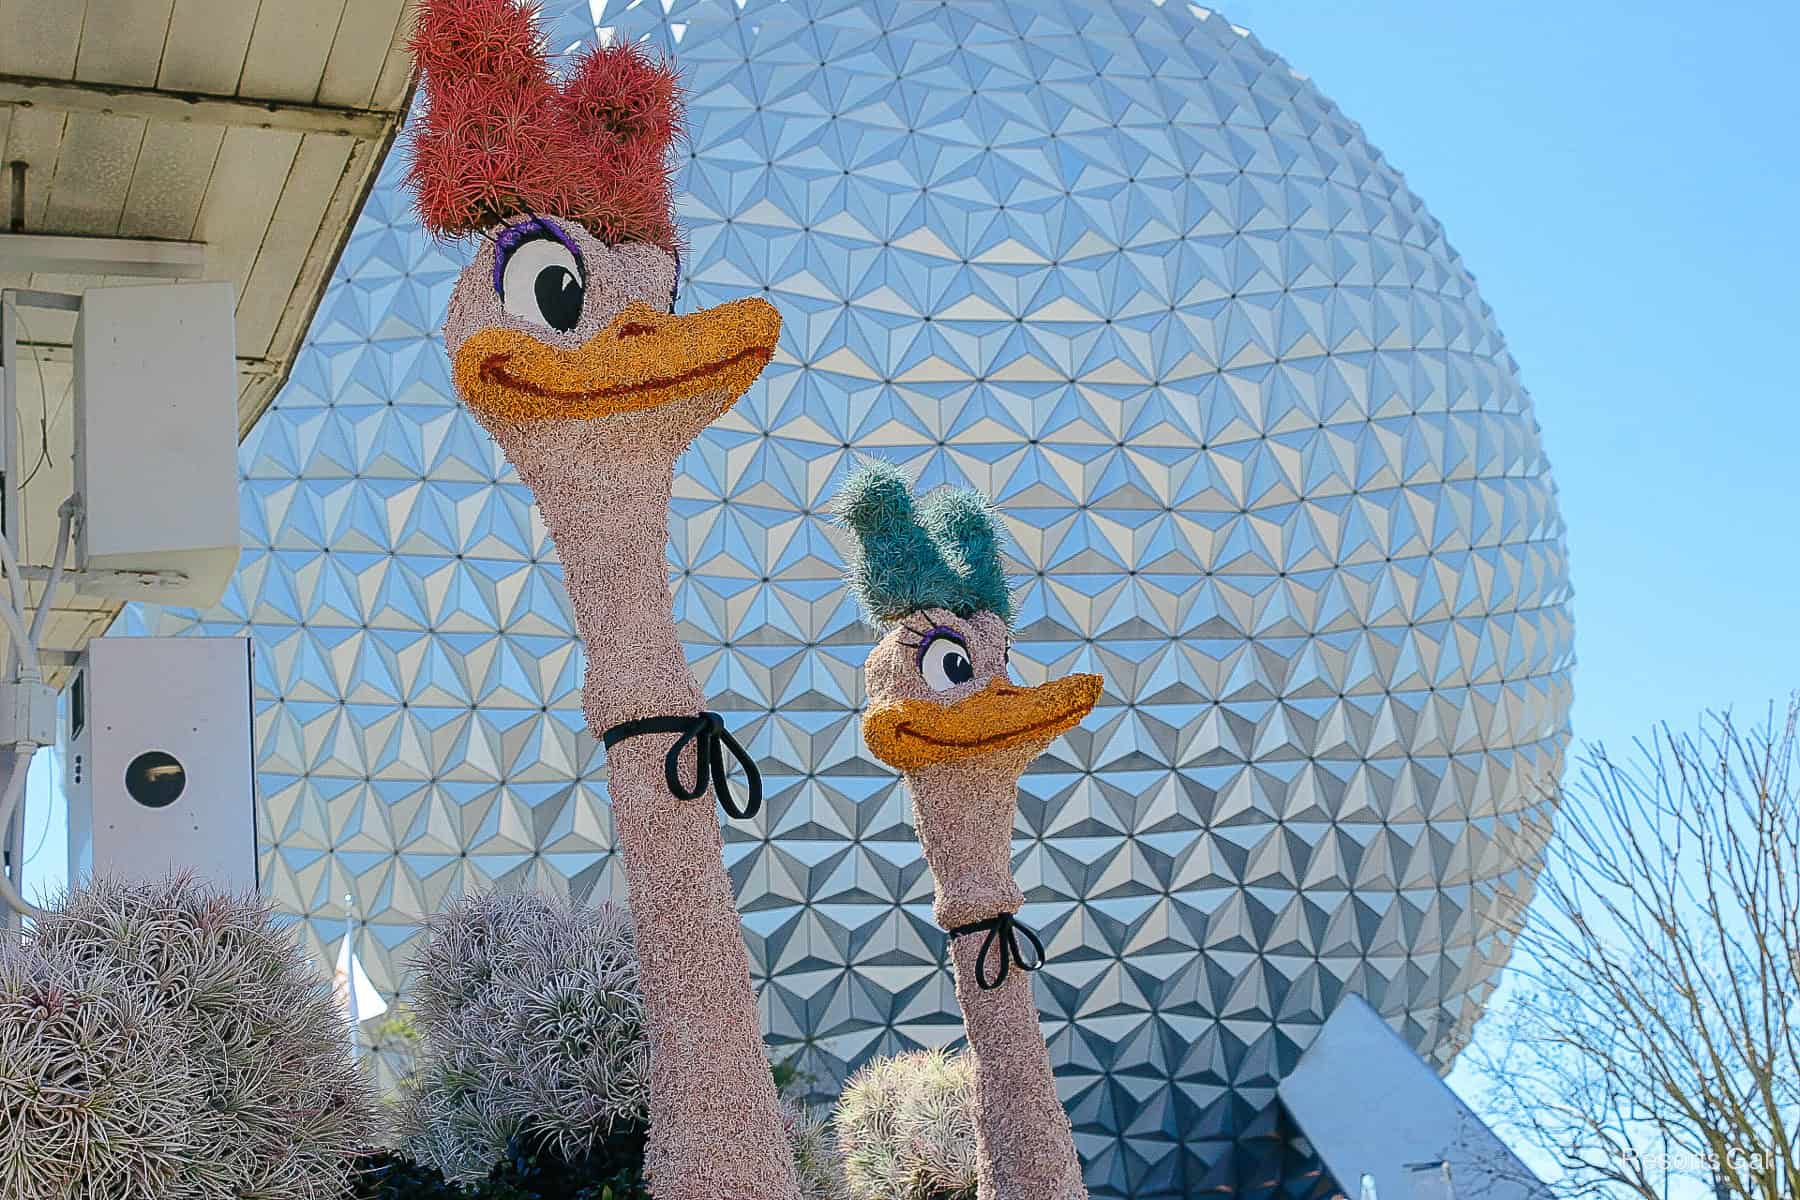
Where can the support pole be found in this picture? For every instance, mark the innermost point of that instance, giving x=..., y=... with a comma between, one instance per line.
x=14, y=832
x=17, y=169
x=350, y=969
x=10, y=762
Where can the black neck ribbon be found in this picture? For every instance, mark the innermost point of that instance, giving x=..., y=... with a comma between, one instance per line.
x=1003, y=936
x=711, y=739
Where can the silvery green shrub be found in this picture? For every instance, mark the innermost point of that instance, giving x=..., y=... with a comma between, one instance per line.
x=276, y=1107
x=906, y=1128
x=97, y=1096
x=529, y=1021
x=817, y=1164
x=530, y=1018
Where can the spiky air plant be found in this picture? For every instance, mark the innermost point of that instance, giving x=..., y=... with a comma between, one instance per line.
x=531, y=1021
x=944, y=711
x=817, y=1163
x=279, y=1109
x=531, y=1032
x=906, y=1128
x=565, y=346
x=98, y=1096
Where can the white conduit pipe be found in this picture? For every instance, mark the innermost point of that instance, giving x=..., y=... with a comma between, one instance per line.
x=24, y=649
x=64, y=525
x=10, y=792
x=12, y=613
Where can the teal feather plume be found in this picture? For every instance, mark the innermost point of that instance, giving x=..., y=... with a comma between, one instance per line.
x=942, y=551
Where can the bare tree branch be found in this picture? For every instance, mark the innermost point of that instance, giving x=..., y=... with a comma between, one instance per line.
x=1652, y=1033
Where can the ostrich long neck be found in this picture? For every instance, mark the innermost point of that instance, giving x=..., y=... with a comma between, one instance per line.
x=609, y=519
x=715, y=1120
x=1024, y=1144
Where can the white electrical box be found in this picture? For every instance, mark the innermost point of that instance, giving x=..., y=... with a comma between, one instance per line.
x=156, y=426
x=161, y=770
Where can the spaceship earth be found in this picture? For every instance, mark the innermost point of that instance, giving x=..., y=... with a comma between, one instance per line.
x=1267, y=465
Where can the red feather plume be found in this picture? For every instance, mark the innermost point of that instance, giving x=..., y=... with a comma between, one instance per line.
x=499, y=137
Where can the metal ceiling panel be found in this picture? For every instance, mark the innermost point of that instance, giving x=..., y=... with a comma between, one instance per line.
x=359, y=55
x=247, y=181
x=174, y=166
x=293, y=229
x=41, y=39
x=289, y=50
x=126, y=47
x=93, y=170
x=206, y=46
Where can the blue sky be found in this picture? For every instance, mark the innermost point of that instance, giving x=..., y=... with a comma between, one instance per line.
x=1624, y=181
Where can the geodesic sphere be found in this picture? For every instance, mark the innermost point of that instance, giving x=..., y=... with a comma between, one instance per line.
x=1268, y=467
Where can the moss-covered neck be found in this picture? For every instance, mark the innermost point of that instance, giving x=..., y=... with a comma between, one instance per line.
x=606, y=508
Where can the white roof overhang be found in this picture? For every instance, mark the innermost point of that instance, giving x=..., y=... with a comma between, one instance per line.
x=222, y=139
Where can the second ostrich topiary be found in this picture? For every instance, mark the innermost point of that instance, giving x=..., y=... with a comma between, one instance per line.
x=944, y=710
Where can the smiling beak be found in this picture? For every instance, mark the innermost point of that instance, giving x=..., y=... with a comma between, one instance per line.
x=909, y=734
x=643, y=359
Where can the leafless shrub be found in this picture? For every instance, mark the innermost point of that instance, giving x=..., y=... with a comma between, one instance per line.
x=1653, y=1033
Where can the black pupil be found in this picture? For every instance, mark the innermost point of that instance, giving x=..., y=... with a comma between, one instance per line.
x=559, y=296
x=958, y=668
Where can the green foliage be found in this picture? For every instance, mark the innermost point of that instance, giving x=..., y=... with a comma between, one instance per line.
x=399, y=1031
x=790, y=1081
x=610, y=1169
x=941, y=553
x=394, y=1043
x=390, y=1175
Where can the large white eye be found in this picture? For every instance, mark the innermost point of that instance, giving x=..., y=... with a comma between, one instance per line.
x=944, y=662
x=542, y=283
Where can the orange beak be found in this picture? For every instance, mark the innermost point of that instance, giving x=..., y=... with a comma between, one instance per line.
x=909, y=734
x=643, y=359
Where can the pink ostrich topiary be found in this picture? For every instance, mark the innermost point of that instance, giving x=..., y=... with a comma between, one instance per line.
x=564, y=345
x=943, y=710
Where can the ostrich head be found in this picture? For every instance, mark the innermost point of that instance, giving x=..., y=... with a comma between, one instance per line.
x=942, y=706
x=939, y=690
x=566, y=313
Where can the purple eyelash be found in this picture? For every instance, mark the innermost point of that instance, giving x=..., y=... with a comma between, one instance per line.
x=919, y=635
x=529, y=230
x=932, y=635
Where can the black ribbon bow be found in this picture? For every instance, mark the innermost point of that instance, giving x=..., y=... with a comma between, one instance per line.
x=711, y=739
x=1003, y=934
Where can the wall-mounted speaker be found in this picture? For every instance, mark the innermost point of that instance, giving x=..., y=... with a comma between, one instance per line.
x=161, y=767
